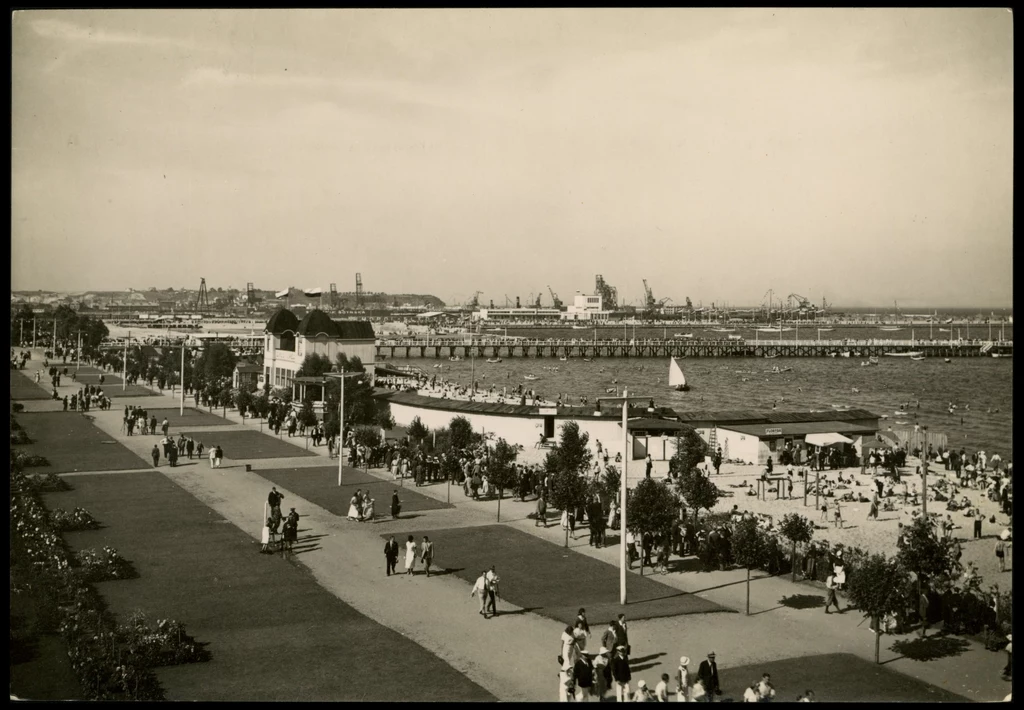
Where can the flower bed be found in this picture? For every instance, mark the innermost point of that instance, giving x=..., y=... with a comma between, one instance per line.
x=78, y=519
x=35, y=461
x=50, y=483
x=111, y=662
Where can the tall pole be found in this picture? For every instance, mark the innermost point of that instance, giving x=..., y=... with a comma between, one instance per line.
x=53, y=346
x=924, y=480
x=21, y=339
x=33, y=332
x=622, y=497
x=341, y=423
x=78, y=353
x=124, y=367
x=181, y=411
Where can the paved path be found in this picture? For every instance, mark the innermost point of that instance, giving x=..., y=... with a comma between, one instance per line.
x=513, y=655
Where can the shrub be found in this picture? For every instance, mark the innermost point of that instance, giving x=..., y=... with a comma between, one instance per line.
x=17, y=407
x=79, y=519
x=35, y=461
x=20, y=437
x=50, y=483
x=104, y=565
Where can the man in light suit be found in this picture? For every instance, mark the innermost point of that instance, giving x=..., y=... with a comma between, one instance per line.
x=708, y=674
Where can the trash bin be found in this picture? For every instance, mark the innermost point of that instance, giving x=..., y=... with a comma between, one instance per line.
x=248, y=468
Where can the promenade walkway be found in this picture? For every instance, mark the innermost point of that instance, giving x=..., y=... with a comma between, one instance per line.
x=513, y=655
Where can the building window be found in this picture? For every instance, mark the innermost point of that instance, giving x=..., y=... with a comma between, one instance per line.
x=287, y=342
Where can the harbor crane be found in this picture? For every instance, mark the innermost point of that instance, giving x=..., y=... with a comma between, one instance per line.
x=555, y=299
x=798, y=302
x=475, y=301
x=536, y=303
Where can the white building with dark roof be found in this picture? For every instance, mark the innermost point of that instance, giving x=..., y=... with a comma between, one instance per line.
x=287, y=341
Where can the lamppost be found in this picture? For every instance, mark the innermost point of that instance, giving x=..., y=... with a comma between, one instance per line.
x=622, y=483
x=341, y=412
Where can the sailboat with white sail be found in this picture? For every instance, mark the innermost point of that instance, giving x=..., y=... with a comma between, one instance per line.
x=676, y=378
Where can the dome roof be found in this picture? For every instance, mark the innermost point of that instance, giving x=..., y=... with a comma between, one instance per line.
x=282, y=321
x=317, y=323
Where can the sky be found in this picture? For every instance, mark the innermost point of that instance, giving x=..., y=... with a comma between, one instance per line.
x=860, y=155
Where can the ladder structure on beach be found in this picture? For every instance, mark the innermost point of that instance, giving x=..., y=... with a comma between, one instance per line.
x=713, y=440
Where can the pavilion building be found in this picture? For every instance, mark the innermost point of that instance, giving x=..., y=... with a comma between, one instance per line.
x=288, y=340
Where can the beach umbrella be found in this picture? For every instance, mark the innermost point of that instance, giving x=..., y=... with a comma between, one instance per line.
x=997, y=457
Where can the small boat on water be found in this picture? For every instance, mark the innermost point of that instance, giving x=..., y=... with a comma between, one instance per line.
x=683, y=335
x=946, y=359
x=943, y=330
x=845, y=354
x=916, y=359
x=676, y=378
x=724, y=330
x=777, y=370
x=494, y=360
x=911, y=354
x=873, y=360
x=823, y=330
x=865, y=364
x=564, y=359
x=735, y=337
x=770, y=357
x=529, y=377
x=1002, y=355
x=587, y=359
x=775, y=330
x=455, y=358
x=890, y=328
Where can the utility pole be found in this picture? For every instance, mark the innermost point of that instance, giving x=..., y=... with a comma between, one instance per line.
x=622, y=483
x=124, y=370
x=181, y=411
x=924, y=481
x=33, y=332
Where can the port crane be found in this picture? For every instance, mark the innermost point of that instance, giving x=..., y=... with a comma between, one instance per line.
x=555, y=299
x=475, y=301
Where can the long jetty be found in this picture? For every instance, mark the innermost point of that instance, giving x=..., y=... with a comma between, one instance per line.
x=657, y=348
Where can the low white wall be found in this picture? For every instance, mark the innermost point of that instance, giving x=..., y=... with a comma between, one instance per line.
x=741, y=447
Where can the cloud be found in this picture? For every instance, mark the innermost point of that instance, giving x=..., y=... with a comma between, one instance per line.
x=70, y=32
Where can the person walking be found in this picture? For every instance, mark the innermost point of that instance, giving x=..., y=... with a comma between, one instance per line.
x=391, y=555
x=621, y=674
x=684, y=681
x=583, y=670
x=838, y=519
x=190, y=447
x=873, y=513
x=1001, y=554
x=410, y=556
x=155, y=453
x=427, y=554
x=979, y=517
x=708, y=675
x=165, y=426
x=219, y=455
x=396, y=505
x=492, y=591
x=274, y=500
x=830, y=599
x=213, y=456
x=480, y=590
x=622, y=633
x=291, y=529
x=542, y=512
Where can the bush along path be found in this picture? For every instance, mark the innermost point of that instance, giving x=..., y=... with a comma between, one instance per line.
x=113, y=661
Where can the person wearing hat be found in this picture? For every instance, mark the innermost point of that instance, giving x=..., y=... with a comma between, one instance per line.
x=602, y=678
x=708, y=674
x=621, y=674
x=566, y=685
x=684, y=681
x=643, y=693
x=291, y=528
x=583, y=671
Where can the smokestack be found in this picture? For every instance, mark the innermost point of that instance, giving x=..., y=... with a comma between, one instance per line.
x=517, y=302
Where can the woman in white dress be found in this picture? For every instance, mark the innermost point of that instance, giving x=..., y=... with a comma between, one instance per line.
x=684, y=681
x=485, y=487
x=353, y=509
x=410, y=555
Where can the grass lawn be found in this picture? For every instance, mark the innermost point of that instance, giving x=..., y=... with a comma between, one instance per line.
x=89, y=375
x=320, y=485
x=274, y=634
x=72, y=443
x=552, y=581
x=191, y=417
x=837, y=677
x=39, y=663
x=244, y=444
x=24, y=387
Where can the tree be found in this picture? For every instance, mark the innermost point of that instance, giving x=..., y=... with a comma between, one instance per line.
x=875, y=590
x=571, y=453
x=697, y=491
x=568, y=491
x=748, y=548
x=21, y=320
x=651, y=508
x=384, y=418
x=367, y=436
x=501, y=467
x=244, y=400
x=214, y=366
x=461, y=432
x=418, y=430
x=690, y=453
x=307, y=417
x=926, y=554
x=314, y=365
x=797, y=529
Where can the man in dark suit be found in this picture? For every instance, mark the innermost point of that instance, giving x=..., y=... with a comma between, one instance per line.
x=391, y=554
x=708, y=674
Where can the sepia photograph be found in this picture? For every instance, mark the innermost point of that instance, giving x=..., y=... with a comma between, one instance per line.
x=305, y=302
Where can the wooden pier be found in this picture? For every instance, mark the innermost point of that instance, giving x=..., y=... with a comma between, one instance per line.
x=594, y=349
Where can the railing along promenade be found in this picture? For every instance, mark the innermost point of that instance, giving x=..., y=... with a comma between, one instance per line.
x=495, y=347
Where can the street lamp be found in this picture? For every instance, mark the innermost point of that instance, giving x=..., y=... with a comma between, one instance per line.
x=341, y=412
x=622, y=483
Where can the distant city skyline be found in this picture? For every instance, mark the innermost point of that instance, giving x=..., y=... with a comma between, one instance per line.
x=860, y=155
